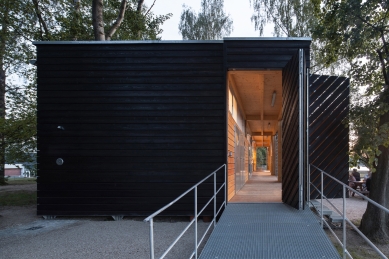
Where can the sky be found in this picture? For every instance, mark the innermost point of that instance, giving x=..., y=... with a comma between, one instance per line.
x=239, y=10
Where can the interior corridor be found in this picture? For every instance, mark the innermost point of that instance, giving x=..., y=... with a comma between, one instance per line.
x=262, y=187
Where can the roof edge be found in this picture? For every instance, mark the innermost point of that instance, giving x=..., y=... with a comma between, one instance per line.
x=173, y=41
x=126, y=42
x=268, y=38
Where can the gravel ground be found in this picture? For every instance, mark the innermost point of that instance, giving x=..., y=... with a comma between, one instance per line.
x=93, y=238
x=23, y=234
x=355, y=206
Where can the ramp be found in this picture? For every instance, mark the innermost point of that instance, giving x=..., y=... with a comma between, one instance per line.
x=267, y=230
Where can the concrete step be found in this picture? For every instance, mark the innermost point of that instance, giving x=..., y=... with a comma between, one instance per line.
x=336, y=218
x=314, y=203
x=326, y=210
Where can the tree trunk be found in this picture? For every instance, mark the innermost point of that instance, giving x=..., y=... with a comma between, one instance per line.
x=2, y=117
x=375, y=222
x=3, y=34
x=97, y=20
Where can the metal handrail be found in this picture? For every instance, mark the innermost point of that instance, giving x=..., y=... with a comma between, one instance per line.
x=345, y=219
x=216, y=211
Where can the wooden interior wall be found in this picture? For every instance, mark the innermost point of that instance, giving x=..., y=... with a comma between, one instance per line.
x=246, y=158
x=328, y=136
x=290, y=132
x=280, y=140
x=142, y=123
x=231, y=160
x=254, y=157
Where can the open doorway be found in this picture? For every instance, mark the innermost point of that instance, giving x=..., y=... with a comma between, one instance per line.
x=254, y=126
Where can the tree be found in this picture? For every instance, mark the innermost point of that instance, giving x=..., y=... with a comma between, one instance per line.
x=17, y=129
x=293, y=18
x=211, y=23
x=261, y=156
x=358, y=32
x=129, y=19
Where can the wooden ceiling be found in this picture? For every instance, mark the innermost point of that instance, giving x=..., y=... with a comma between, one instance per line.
x=254, y=91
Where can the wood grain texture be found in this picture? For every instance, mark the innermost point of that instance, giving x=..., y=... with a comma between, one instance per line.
x=263, y=54
x=328, y=135
x=290, y=132
x=142, y=124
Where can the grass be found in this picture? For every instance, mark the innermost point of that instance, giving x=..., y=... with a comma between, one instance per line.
x=21, y=181
x=18, y=198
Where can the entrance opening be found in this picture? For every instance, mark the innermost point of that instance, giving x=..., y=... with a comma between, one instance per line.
x=254, y=130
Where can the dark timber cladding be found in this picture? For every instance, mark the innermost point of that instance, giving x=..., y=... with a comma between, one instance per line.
x=290, y=132
x=328, y=136
x=140, y=123
x=267, y=53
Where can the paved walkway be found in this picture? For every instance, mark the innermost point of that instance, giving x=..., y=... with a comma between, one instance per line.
x=269, y=231
x=261, y=187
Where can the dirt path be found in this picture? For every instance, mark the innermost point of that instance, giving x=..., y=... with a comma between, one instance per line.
x=11, y=216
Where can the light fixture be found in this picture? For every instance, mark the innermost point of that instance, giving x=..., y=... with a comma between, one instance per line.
x=268, y=125
x=273, y=100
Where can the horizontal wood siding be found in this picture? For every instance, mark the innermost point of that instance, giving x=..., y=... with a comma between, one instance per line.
x=142, y=124
x=263, y=54
x=290, y=132
x=328, y=135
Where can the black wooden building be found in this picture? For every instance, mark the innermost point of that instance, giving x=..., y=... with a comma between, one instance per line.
x=126, y=127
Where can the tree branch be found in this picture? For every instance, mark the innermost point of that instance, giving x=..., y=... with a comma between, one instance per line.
x=383, y=68
x=276, y=22
x=119, y=20
x=150, y=7
x=40, y=18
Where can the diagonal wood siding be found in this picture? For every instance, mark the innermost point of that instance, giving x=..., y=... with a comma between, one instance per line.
x=328, y=136
x=290, y=132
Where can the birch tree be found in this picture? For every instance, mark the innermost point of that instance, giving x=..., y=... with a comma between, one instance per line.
x=127, y=19
x=211, y=23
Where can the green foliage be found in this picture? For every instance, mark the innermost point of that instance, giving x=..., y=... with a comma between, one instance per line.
x=261, y=156
x=18, y=198
x=211, y=23
x=136, y=26
x=21, y=181
x=291, y=18
x=357, y=31
x=73, y=21
x=294, y=18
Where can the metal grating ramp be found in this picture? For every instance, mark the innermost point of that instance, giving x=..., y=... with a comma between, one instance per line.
x=267, y=230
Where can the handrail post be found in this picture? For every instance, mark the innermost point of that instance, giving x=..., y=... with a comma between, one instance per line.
x=344, y=222
x=309, y=184
x=214, y=200
x=225, y=185
x=195, y=222
x=321, y=187
x=151, y=239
